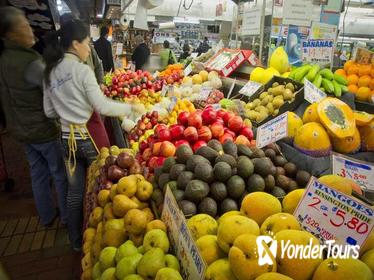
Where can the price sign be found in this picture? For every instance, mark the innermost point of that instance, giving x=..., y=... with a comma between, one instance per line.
x=231, y=88
x=173, y=102
x=194, y=54
x=332, y=215
x=272, y=131
x=164, y=90
x=188, y=70
x=312, y=94
x=359, y=171
x=192, y=264
x=216, y=106
x=170, y=90
x=250, y=88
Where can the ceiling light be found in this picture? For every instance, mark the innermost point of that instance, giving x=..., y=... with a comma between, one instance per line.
x=59, y=8
x=58, y=2
x=99, y=15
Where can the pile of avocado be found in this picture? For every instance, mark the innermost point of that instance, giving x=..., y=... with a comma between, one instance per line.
x=216, y=178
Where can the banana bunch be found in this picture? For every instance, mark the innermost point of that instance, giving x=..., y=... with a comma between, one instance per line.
x=324, y=79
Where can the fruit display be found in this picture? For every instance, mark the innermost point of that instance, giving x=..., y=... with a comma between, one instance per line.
x=360, y=80
x=173, y=74
x=213, y=179
x=324, y=79
x=146, y=123
x=181, y=105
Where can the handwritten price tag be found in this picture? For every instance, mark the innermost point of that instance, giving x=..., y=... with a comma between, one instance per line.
x=359, y=171
x=164, y=90
x=192, y=264
x=272, y=131
x=312, y=94
x=188, y=70
x=332, y=215
x=173, y=102
x=250, y=88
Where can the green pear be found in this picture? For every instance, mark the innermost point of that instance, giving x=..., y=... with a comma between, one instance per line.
x=116, y=224
x=126, y=249
x=127, y=265
x=168, y=273
x=172, y=262
x=133, y=277
x=107, y=258
x=141, y=249
x=151, y=262
x=96, y=272
x=156, y=238
x=109, y=274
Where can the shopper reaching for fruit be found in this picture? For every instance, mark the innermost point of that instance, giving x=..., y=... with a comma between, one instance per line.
x=71, y=93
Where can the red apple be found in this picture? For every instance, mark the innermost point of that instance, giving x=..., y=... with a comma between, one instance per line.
x=180, y=143
x=220, y=120
x=163, y=134
x=198, y=145
x=167, y=149
x=226, y=137
x=204, y=133
x=209, y=116
x=195, y=120
x=247, y=132
x=217, y=130
x=176, y=132
x=156, y=148
x=147, y=154
x=183, y=118
x=228, y=131
x=152, y=163
x=160, y=161
x=160, y=127
x=190, y=134
x=235, y=123
x=143, y=145
x=227, y=116
x=241, y=139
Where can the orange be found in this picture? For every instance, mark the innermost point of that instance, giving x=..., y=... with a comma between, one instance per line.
x=348, y=64
x=353, y=70
x=364, y=81
x=371, y=84
x=341, y=72
x=364, y=70
x=363, y=94
x=352, y=79
x=352, y=88
x=372, y=72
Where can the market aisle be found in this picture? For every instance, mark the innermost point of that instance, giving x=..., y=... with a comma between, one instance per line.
x=27, y=249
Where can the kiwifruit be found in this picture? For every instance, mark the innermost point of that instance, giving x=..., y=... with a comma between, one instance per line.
x=282, y=182
x=302, y=178
x=290, y=169
x=280, y=171
x=270, y=153
x=269, y=183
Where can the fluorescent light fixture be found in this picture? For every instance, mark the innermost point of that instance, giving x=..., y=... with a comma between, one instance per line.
x=58, y=2
x=59, y=8
x=166, y=25
x=99, y=15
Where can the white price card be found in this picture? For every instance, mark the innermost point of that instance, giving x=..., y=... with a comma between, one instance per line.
x=231, y=88
x=192, y=264
x=187, y=70
x=216, y=106
x=164, y=90
x=205, y=92
x=172, y=104
x=272, y=131
x=250, y=88
x=359, y=171
x=194, y=54
x=333, y=215
x=312, y=94
x=170, y=90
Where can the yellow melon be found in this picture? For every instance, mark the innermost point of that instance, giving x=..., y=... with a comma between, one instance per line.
x=311, y=114
x=197, y=79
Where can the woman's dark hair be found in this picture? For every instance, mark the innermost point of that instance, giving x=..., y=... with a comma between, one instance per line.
x=58, y=42
x=104, y=30
x=166, y=44
x=8, y=16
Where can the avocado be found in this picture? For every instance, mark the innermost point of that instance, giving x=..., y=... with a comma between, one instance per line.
x=302, y=178
x=183, y=179
x=292, y=185
x=228, y=159
x=157, y=173
x=183, y=153
x=282, y=181
x=280, y=171
x=227, y=205
x=280, y=161
x=229, y=147
x=273, y=170
x=193, y=161
x=178, y=194
x=172, y=185
x=157, y=196
x=218, y=191
x=168, y=163
x=255, y=183
x=270, y=153
x=222, y=171
x=245, y=167
x=188, y=208
x=243, y=150
x=175, y=170
x=207, y=206
x=290, y=169
x=215, y=145
x=207, y=153
x=269, y=183
x=196, y=190
x=235, y=187
x=278, y=193
x=257, y=153
x=262, y=166
x=163, y=179
x=204, y=172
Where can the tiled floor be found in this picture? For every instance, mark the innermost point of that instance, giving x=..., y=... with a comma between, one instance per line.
x=27, y=249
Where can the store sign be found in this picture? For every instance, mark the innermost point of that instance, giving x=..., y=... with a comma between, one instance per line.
x=297, y=12
x=317, y=51
x=272, y=131
x=250, y=88
x=363, y=56
x=321, y=30
x=187, y=70
x=251, y=21
x=192, y=264
x=332, y=215
x=312, y=94
x=295, y=36
x=359, y=171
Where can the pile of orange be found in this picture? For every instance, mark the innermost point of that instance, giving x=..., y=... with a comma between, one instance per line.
x=172, y=69
x=360, y=79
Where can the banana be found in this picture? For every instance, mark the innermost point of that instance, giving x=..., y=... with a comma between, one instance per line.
x=326, y=73
x=340, y=79
x=317, y=80
x=329, y=87
x=302, y=71
x=344, y=88
x=312, y=72
x=337, y=89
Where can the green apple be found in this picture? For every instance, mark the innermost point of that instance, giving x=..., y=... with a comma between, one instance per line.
x=107, y=258
x=151, y=262
x=133, y=277
x=109, y=274
x=172, y=262
x=168, y=273
x=126, y=249
x=156, y=238
x=127, y=265
x=96, y=272
x=141, y=249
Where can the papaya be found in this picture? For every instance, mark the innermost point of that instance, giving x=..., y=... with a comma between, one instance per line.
x=337, y=117
x=294, y=123
x=362, y=118
x=311, y=114
x=347, y=145
x=367, y=137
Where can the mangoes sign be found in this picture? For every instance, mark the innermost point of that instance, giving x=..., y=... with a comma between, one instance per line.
x=192, y=264
x=332, y=215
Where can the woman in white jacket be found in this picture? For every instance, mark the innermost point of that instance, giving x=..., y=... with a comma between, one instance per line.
x=72, y=94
